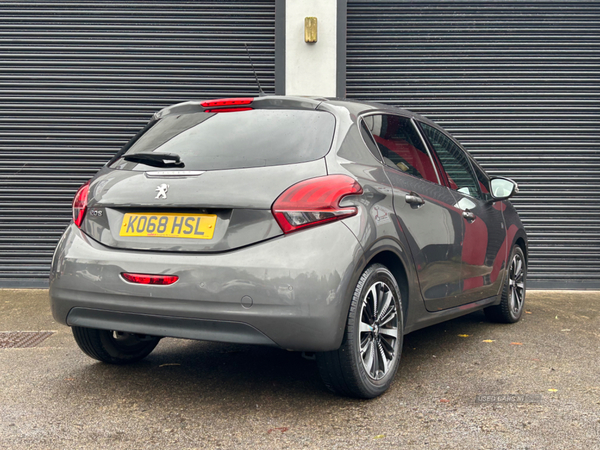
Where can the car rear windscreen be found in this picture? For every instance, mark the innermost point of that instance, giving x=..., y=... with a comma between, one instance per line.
x=235, y=140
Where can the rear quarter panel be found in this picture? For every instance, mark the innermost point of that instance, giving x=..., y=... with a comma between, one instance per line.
x=375, y=226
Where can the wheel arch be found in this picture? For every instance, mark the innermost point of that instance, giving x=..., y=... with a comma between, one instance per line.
x=392, y=254
x=520, y=241
x=389, y=256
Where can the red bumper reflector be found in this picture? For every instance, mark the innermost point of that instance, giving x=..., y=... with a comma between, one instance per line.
x=142, y=278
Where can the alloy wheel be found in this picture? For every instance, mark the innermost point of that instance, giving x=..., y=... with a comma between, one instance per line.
x=516, y=284
x=378, y=331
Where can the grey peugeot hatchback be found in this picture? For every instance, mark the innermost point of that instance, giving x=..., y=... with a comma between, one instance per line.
x=308, y=224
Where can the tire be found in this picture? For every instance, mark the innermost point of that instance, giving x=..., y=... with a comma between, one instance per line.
x=511, y=306
x=114, y=347
x=365, y=365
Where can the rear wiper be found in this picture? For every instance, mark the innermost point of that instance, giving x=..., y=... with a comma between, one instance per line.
x=156, y=159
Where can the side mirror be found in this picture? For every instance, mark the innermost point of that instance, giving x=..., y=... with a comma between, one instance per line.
x=503, y=188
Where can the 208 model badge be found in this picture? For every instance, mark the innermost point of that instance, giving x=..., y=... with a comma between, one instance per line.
x=162, y=191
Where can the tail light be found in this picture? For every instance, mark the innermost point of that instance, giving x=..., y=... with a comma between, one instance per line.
x=314, y=202
x=143, y=278
x=80, y=204
x=228, y=104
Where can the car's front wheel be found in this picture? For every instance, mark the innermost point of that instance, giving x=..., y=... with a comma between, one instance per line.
x=114, y=347
x=365, y=365
x=511, y=306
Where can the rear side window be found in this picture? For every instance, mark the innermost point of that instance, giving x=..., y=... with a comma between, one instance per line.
x=235, y=140
x=401, y=146
x=368, y=138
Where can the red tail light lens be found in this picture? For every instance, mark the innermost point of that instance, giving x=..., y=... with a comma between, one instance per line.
x=315, y=201
x=142, y=278
x=228, y=102
x=80, y=204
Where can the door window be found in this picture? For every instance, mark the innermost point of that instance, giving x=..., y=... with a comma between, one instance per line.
x=401, y=145
x=454, y=161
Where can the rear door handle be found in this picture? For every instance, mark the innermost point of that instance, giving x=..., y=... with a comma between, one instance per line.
x=468, y=215
x=414, y=199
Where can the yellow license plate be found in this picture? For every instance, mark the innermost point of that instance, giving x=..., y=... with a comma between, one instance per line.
x=172, y=225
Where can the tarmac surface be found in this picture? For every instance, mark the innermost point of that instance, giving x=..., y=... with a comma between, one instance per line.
x=538, y=382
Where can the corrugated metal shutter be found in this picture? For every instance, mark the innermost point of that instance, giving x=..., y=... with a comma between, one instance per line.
x=79, y=78
x=518, y=83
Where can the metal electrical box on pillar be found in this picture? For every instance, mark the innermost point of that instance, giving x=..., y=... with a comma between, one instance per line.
x=310, y=30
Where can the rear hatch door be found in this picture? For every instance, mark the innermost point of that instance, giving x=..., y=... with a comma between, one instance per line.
x=214, y=190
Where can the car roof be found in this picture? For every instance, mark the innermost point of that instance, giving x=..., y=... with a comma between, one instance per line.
x=356, y=108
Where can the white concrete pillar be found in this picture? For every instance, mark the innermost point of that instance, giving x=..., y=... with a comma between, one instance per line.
x=316, y=69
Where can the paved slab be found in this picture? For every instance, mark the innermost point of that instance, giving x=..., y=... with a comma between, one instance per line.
x=190, y=394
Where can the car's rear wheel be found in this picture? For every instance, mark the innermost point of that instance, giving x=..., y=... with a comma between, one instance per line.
x=511, y=306
x=114, y=347
x=365, y=365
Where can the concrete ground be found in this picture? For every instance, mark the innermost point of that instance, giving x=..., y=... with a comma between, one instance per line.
x=189, y=394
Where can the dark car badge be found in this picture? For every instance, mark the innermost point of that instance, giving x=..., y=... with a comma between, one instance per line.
x=162, y=190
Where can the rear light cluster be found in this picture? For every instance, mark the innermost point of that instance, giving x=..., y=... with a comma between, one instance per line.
x=314, y=202
x=142, y=278
x=80, y=204
x=228, y=105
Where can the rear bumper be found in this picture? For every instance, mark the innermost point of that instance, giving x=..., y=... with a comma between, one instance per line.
x=298, y=287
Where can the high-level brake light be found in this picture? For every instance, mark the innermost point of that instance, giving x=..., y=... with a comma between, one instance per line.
x=229, y=103
x=314, y=202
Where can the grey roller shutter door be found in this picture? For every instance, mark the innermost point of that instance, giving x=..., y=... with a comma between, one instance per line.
x=78, y=79
x=518, y=83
